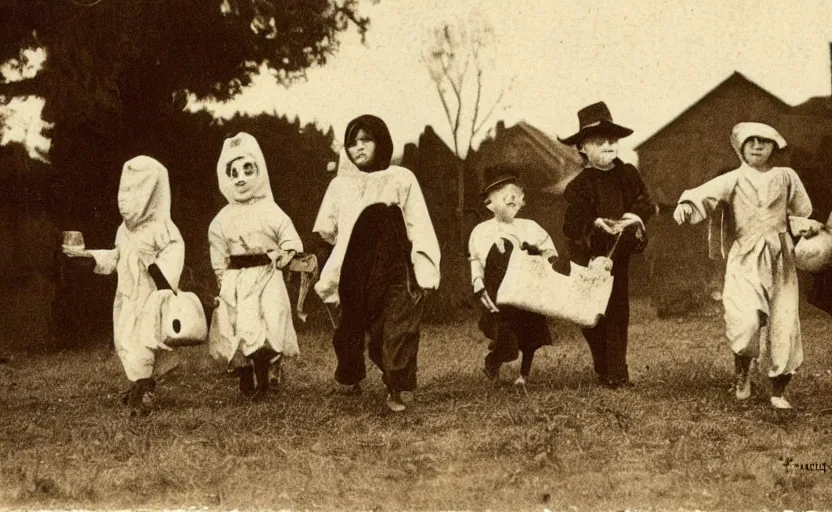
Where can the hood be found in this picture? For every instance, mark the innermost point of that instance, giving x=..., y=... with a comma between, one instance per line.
x=143, y=192
x=240, y=146
x=381, y=134
x=743, y=131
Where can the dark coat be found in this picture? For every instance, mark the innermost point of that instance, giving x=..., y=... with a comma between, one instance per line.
x=607, y=194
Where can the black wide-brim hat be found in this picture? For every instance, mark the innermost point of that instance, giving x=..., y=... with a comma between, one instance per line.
x=594, y=120
x=497, y=176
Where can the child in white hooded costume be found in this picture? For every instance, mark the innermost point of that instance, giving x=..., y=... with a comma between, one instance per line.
x=251, y=240
x=754, y=202
x=146, y=241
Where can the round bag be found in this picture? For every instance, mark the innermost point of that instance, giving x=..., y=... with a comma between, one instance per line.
x=814, y=254
x=183, y=320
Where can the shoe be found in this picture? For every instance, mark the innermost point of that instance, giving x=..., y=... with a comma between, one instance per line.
x=520, y=381
x=491, y=374
x=141, y=397
x=246, y=374
x=743, y=387
x=778, y=402
x=623, y=382
x=262, y=364
x=394, y=402
x=347, y=389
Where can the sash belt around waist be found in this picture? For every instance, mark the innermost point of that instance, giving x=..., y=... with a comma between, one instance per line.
x=240, y=261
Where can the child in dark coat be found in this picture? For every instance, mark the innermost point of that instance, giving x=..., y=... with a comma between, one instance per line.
x=607, y=206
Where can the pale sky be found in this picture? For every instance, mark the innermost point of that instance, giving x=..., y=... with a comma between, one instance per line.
x=648, y=59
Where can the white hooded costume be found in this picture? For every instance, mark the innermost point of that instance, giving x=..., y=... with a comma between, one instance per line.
x=146, y=236
x=254, y=308
x=760, y=277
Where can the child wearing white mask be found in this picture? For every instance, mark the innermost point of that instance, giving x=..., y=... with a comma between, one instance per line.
x=147, y=243
x=512, y=331
x=251, y=240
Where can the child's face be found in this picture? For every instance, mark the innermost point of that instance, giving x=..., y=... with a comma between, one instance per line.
x=600, y=150
x=362, y=149
x=505, y=202
x=242, y=172
x=756, y=151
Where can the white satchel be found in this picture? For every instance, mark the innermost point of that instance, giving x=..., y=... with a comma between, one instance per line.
x=182, y=317
x=183, y=320
x=533, y=285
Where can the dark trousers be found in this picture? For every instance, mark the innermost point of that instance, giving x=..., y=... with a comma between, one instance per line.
x=505, y=345
x=512, y=331
x=393, y=344
x=379, y=297
x=608, y=339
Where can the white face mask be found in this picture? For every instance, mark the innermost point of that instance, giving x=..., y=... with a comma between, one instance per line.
x=600, y=151
x=243, y=173
x=505, y=202
x=241, y=170
x=143, y=192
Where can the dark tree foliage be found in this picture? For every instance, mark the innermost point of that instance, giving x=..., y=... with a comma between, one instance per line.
x=119, y=71
x=116, y=80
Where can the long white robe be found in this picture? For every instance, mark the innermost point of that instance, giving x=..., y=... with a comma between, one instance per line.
x=137, y=332
x=254, y=306
x=760, y=277
x=146, y=236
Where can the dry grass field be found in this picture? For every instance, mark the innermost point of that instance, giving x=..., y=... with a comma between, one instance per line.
x=676, y=441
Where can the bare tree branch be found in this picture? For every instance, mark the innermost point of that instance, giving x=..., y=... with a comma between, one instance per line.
x=496, y=103
x=476, y=112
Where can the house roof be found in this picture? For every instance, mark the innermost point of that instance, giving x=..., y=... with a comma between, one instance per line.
x=817, y=105
x=734, y=80
x=553, y=163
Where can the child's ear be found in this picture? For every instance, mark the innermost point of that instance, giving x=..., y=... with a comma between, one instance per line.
x=488, y=204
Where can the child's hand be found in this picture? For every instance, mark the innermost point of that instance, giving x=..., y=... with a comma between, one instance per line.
x=486, y=301
x=606, y=225
x=682, y=213
x=283, y=258
x=533, y=250
x=482, y=295
x=75, y=252
x=807, y=228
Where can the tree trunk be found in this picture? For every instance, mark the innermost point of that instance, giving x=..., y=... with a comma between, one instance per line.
x=460, y=204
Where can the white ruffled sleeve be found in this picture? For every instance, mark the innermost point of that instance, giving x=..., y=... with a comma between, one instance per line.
x=425, y=255
x=326, y=223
